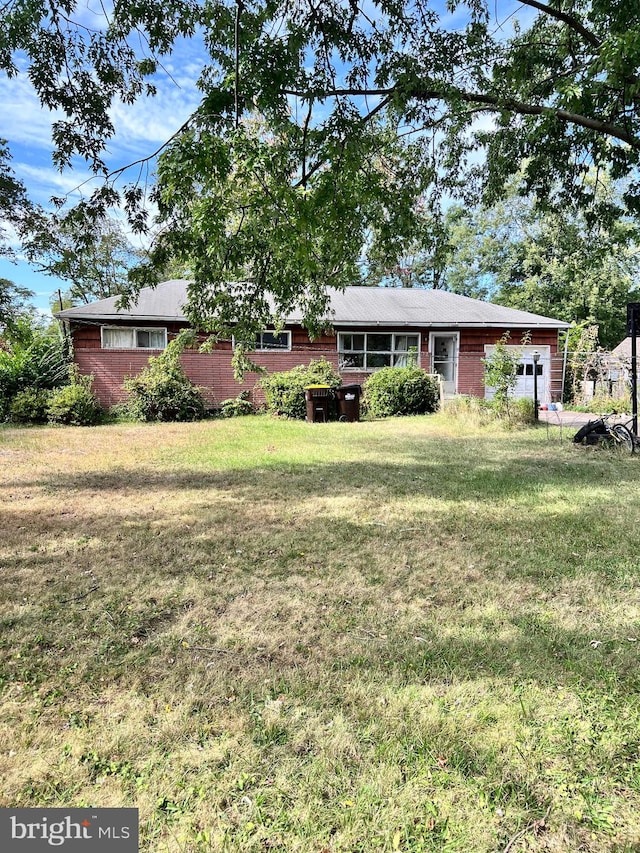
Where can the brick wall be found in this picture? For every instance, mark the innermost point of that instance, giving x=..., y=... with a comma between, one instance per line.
x=212, y=371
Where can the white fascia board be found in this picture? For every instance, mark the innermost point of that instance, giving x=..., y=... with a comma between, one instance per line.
x=452, y=326
x=119, y=319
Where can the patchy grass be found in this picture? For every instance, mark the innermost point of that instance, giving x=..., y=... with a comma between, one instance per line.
x=400, y=635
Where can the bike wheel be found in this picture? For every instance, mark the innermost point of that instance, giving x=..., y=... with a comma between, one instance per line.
x=623, y=437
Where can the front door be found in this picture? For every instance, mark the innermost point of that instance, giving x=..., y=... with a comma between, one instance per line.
x=444, y=360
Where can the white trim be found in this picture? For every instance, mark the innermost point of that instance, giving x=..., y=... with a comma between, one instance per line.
x=134, y=330
x=455, y=359
x=392, y=352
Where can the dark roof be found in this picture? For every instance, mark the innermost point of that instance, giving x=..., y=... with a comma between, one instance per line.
x=356, y=306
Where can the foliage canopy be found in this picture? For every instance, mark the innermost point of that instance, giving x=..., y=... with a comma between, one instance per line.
x=325, y=129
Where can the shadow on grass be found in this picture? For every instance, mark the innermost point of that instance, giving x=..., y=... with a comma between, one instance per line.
x=382, y=566
x=453, y=470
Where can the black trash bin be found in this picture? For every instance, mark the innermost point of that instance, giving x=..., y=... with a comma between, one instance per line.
x=348, y=402
x=319, y=403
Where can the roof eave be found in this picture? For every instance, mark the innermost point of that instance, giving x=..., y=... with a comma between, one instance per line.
x=450, y=325
x=128, y=318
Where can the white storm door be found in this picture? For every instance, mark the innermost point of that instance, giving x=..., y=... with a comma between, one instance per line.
x=444, y=359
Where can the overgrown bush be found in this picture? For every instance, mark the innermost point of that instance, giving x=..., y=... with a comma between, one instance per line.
x=478, y=412
x=30, y=406
x=284, y=392
x=472, y=411
x=603, y=404
x=30, y=357
x=400, y=391
x=75, y=404
x=523, y=411
x=236, y=407
x=162, y=390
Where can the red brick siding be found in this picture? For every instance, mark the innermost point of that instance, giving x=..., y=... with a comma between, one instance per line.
x=213, y=372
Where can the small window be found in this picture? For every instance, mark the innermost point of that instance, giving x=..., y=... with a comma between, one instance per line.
x=150, y=338
x=271, y=340
x=123, y=337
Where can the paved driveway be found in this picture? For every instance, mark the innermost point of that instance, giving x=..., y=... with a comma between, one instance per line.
x=568, y=419
x=573, y=419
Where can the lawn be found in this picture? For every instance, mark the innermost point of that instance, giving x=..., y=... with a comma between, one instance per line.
x=399, y=635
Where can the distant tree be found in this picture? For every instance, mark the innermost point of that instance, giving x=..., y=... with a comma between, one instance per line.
x=13, y=304
x=417, y=259
x=555, y=262
x=94, y=256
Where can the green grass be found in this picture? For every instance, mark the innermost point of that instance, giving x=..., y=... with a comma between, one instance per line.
x=399, y=635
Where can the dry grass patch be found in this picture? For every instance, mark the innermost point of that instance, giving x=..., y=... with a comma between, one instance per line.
x=378, y=636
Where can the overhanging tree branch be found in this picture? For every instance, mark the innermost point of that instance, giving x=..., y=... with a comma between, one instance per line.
x=494, y=102
x=566, y=18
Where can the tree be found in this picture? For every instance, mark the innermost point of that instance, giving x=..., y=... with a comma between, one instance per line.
x=552, y=262
x=500, y=372
x=93, y=255
x=31, y=357
x=13, y=305
x=14, y=205
x=323, y=125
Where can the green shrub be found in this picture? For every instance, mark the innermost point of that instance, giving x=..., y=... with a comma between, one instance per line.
x=236, y=407
x=76, y=403
x=162, y=391
x=284, y=392
x=30, y=358
x=30, y=406
x=400, y=391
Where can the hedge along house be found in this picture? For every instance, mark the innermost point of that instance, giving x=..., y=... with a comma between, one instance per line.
x=368, y=328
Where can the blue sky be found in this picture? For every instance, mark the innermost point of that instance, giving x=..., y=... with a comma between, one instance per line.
x=140, y=130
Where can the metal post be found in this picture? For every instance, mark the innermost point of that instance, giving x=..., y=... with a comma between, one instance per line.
x=536, y=359
x=632, y=329
x=634, y=374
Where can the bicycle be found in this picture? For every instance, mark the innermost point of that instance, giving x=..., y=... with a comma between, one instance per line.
x=617, y=434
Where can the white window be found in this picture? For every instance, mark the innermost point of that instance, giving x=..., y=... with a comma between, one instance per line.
x=371, y=350
x=270, y=340
x=129, y=337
